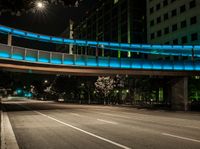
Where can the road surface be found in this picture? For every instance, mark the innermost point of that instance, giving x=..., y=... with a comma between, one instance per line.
x=50, y=125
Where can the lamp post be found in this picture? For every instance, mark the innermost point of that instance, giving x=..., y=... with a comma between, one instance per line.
x=40, y=5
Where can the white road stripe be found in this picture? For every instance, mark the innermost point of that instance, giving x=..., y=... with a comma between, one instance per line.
x=105, y=121
x=179, y=137
x=75, y=114
x=113, y=115
x=86, y=132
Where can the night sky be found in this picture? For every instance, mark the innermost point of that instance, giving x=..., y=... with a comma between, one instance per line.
x=52, y=21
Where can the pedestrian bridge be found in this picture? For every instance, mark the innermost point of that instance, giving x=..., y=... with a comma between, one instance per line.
x=31, y=60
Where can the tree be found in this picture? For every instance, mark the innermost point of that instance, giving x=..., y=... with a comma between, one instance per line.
x=104, y=86
x=17, y=7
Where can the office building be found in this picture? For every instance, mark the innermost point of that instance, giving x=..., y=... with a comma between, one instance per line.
x=173, y=21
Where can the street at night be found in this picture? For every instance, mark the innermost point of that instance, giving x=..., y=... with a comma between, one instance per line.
x=43, y=124
x=100, y=74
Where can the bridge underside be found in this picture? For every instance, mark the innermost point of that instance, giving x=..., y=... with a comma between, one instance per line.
x=20, y=66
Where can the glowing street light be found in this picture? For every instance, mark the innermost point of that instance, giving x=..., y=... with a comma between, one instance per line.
x=40, y=5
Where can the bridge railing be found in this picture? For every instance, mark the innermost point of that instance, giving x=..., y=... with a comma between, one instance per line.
x=55, y=58
x=167, y=50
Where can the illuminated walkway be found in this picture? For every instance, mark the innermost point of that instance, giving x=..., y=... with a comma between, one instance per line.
x=21, y=54
x=173, y=50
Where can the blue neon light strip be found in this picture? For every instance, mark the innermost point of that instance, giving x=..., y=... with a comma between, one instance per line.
x=69, y=41
x=55, y=39
x=17, y=57
x=124, y=63
x=4, y=54
x=31, y=59
x=141, y=48
x=44, y=37
x=92, y=43
x=5, y=29
x=31, y=35
x=81, y=42
x=104, y=43
x=18, y=32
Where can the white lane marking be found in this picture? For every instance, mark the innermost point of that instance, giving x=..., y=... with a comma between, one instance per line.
x=86, y=132
x=113, y=115
x=140, y=119
x=179, y=137
x=75, y=114
x=105, y=121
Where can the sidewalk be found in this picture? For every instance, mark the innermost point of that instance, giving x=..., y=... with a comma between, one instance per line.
x=8, y=140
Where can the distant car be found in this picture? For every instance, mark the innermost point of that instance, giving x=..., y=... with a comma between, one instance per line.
x=61, y=100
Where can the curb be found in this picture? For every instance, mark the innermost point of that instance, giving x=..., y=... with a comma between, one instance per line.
x=8, y=139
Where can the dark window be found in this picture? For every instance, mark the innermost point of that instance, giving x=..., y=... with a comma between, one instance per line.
x=174, y=27
x=175, y=41
x=193, y=20
x=167, y=42
x=174, y=12
x=194, y=37
x=184, y=39
x=159, y=33
x=192, y=4
x=166, y=16
x=166, y=30
x=152, y=36
x=165, y=2
x=151, y=10
x=158, y=20
x=183, y=24
x=173, y=1
x=152, y=23
x=157, y=6
x=182, y=9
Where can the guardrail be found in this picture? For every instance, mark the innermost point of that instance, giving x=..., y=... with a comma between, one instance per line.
x=174, y=50
x=54, y=58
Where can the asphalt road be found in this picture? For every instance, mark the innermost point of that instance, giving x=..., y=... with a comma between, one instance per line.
x=49, y=125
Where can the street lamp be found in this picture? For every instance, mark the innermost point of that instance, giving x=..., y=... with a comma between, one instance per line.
x=40, y=5
x=46, y=81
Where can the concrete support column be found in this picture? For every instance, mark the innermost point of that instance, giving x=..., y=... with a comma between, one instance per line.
x=9, y=40
x=179, y=94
